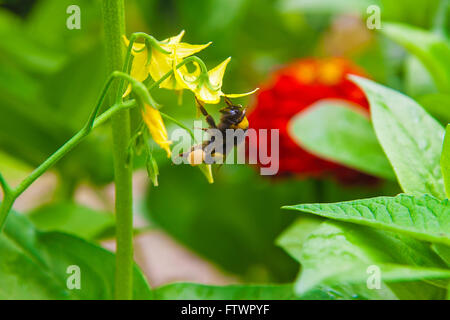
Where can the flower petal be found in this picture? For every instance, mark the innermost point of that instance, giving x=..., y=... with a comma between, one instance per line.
x=184, y=50
x=175, y=39
x=136, y=46
x=207, y=95
x=155, y=124
x=216, y=74
x=238, y=95
x=160, y=64
x=139, y=70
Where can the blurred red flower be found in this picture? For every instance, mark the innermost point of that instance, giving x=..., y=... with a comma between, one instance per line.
x=293, y=89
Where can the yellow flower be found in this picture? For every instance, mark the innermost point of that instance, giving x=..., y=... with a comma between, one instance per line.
x=161, y=63
x=155, y=124
x=207, y=86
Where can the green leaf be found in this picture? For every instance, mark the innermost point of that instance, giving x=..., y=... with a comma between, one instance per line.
x=432, y=49
x=33, y=265
x=337, y=132
x=73, y=219
x=445, y=161
x=194, y=291
x=338, y=255
x=296, y=234
x=410, y=137
x=423, y=217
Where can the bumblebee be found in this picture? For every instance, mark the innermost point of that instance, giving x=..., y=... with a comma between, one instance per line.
x=233, y=117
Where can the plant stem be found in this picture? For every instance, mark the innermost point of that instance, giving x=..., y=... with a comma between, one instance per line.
x=4, y=185
x=114, y=26
x=7, y=203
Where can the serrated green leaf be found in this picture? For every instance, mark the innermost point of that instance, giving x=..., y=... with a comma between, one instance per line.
x=423, y=217
x=432, y=49
x=338, y=255
x=410, y=137
x=335, y=131
x=33, y=265
x=73, y=219
x=194, y=291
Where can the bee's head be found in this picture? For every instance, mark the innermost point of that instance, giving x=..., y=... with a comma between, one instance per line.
x=235, y=115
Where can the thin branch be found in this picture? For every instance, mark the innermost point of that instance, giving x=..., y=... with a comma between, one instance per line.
x=4, y=185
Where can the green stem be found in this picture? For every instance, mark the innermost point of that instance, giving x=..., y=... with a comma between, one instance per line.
x=114, y=26
x=5, y=208
x=4, y=185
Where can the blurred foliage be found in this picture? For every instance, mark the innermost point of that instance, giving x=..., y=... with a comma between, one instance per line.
x=50, y=78
x=46, y=97
x=34, y=265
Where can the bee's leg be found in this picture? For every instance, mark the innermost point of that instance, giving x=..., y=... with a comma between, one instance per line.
x=209, y=119
x=228, y=101
x=203, y=129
